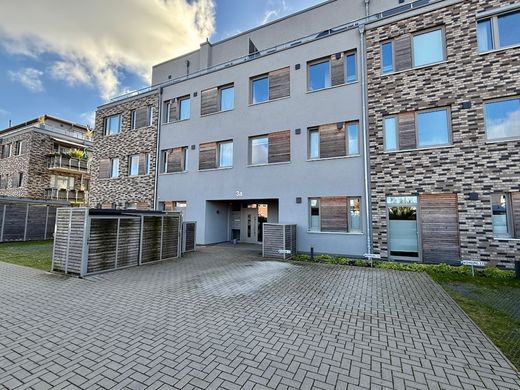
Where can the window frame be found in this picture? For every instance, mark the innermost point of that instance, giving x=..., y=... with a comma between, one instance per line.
x=219, y=145
x=319, y=61
x=509, y=216
x=349, y=224
x=250, y=147
x=130, y=164
x=495, y=31
x=133, y=119
x=316, y=129
x=443, y=41
x=165, y=153
x=251, y=89
x=391, y=42
x=106, y=120
x=449, y=128
x=498, y=100
x=112, y=160
x=356, y=75
x=19, y=180
x=179, y=107
x=220, y=90
x=396, y=119
x=309, y=211
x=310, y=131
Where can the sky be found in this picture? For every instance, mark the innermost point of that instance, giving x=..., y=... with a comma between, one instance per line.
x=65, y=58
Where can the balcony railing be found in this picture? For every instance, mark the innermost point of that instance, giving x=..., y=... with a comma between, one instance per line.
x=75, y=196
x=68, y=163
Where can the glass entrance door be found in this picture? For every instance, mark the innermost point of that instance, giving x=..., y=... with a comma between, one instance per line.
x=403, y=240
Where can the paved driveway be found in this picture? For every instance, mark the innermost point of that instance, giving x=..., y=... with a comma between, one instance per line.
x=223, y=318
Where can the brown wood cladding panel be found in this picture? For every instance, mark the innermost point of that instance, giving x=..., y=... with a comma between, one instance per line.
x=176, y=160
x=142, y=163
x=439, y=220
x=279, y=83
x=406, y=129
x=403, y=53
x=189, y=236
x=337, y=70
x=170, y=244
x=515, y=201
x=102, y=245
x=333, y=141
x=151, y=246
x=36, y=222
x=104, y=168
x=208, y=156
x=129, y=242
x=141, y=117
x=279, y=146
x=14, y=225
x=333, y=214
x=209, y=101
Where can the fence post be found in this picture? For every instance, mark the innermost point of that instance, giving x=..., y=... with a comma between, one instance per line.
x=117, y=240
x=46, y=222
x=86, y=238
x=68, y=241
x=517, y=269
x=3, y=224
x=26, y=218
x=162, y=231
x=141, y=241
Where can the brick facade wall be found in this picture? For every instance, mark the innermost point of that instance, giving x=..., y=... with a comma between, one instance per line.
x=139, y=189
x=13, y=165
x=470, y=164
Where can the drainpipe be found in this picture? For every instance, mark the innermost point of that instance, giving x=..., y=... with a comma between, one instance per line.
x=366, y=146
x=367, y=12
x=158, y=150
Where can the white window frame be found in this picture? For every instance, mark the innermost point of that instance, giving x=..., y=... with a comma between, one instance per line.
x=112, y=162
x=220, y=90
x=107, y=121
x=266, y=136
x=423, y=32
x=179, y=106
x=251, y=90
x=219, y=153
x=130, y=163
x=495, y=32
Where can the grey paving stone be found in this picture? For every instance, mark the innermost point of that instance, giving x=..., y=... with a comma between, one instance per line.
x=225, y=318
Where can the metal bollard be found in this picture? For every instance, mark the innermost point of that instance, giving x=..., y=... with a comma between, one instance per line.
x=517, y=269
x=312, y=253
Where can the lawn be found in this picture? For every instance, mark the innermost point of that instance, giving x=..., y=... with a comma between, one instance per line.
x=36, y=254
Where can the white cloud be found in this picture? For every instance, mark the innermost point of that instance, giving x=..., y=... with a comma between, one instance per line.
x=275, y=10
x=97, y=39
x=4, y=112
x=89, y=118
x=29, y=78
x=506, y=127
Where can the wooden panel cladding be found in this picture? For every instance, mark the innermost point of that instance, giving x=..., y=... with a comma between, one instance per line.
x=333, y=214
x=189, y=240
x=176, y=160
x=515, y=203
x=102, y=245
x=279, y=149
x=406, y=129
x=208, y=155
x=337, y=69
x=170, y=236
x=104, y=168
x=141, y=117
x=439, y=219
x=128, y=242
x=403, y=53
x=333, y=141
x=143, y=162
x=279, y=83
x=209, y=101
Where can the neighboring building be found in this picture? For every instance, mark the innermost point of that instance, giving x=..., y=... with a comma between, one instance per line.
x=46, y=158
x=444, y=109
x=124, y=150
x=273, y=124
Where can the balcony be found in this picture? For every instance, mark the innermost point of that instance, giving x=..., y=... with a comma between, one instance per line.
x=68, y=164
x=73, y=196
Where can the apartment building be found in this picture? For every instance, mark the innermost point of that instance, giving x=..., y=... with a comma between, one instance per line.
x=275, y=125
x=444, y=117
x=46, y=158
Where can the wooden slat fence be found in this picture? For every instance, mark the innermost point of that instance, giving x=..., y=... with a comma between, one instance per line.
x=279, y=240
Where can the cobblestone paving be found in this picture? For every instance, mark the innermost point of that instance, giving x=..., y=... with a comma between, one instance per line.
x=222, y=318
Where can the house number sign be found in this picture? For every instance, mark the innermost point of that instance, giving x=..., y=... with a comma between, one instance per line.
x=239, y=194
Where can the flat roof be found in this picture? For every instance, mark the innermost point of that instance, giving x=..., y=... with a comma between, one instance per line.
x=45, y=117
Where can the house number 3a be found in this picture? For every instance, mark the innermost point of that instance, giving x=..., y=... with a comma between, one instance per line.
x=239, y=194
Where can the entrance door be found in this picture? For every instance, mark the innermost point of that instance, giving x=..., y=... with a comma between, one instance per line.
x=250, y=225
x=439, y=227
x=403, y=240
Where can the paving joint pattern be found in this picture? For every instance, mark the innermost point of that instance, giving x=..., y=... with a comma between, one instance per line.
x=224, y=318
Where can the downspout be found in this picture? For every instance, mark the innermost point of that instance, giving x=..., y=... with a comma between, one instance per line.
x=366, y=146
x=158, y=149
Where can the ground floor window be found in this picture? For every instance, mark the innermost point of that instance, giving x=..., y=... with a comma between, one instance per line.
x=402, y=226
x=502, y=218
x=340, y=214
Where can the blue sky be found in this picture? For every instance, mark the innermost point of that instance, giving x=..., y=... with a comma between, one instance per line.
x=67, y=63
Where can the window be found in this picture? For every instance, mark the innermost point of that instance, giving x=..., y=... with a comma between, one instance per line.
x=428, y=48
x=18, y=148
x=19, y=180
x=112, y=124
x=339, y=214
x=387, y=57
x=225, y=154
x=314, y=144
x=319, y=75
x=351, y=64
x=501, y=207
x=502, y=119
x=133, y=119
x=62, y=182
x=133, y=165
x=184, y=108
x=227, y=98
x=260, y=89
x=131, y=205
x=433, y=128
x=259, y=150
x=353, y=138
x=3, y=181
x=114, y=167
x=499, y=31
x=314, y=219
x=148, y=163
x=174, y=160
x=390, y=133
x=6, y=150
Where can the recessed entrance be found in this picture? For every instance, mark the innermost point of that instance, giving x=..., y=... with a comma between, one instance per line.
x=253, y=216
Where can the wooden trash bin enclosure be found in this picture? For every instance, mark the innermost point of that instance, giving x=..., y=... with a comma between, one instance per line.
x=279, y=240
x=89, y=241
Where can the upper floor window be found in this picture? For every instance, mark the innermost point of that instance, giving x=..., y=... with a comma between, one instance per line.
x=174, y=160
x=271, y=86
x=114, y=167
x=19, y=179
x=6, y=150
x=338, y=69
x=214, y=155
x=217, y=99
x=258, y=150
x=225, y=154
x=412, y=51
x=260, y=89
x=334, y=140
x=133, y=165
x=112, y=124
x=227, y=98
x=141, y=117
x=412, y=130
x=499, y=31
x=428, y=48
x=502, y=119
x=184, y=108
x=177, y=109
x=18, y=148
x=270, y=148
x=62, y=182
